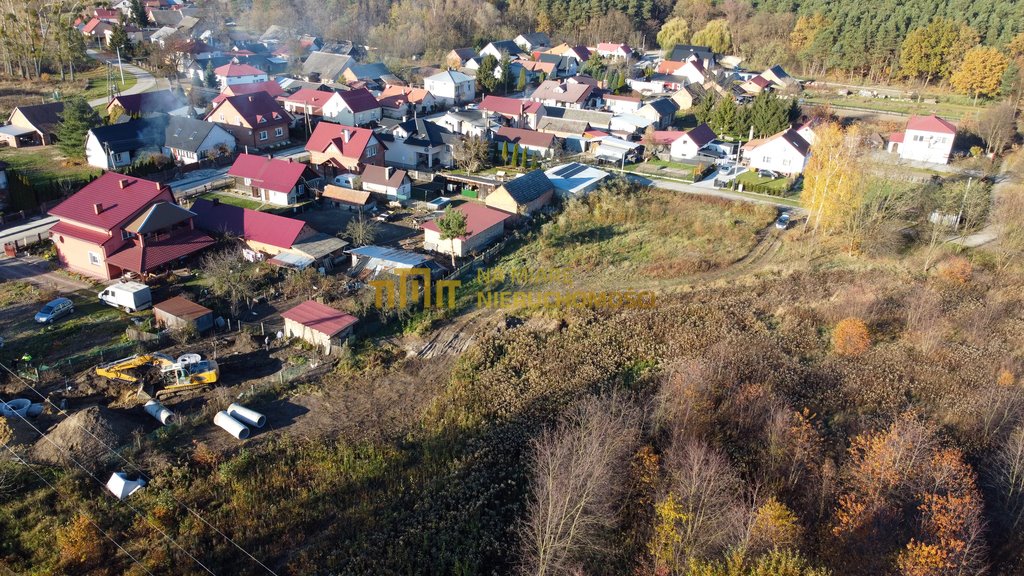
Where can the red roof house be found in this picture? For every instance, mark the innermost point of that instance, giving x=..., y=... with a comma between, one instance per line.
x=117, y=224
x=318, y=324
x=270, y=87
x=280, y=182
x=232, y=73
x=262, y=231
x=926, y=139
x=308, y=101
x=483, y=226
x=344, y=148
x=357, y=107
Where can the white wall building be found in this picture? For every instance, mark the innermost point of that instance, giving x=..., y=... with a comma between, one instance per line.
x=451, y=87
x=926, y=139
x=786, y=153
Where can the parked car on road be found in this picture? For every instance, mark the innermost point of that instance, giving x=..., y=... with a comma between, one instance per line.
x=55, y=310
x=768, y=174
x=783, y=221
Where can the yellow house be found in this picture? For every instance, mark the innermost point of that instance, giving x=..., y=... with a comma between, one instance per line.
x=524, y=195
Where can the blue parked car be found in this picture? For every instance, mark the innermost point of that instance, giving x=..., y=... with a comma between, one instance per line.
x=54, y=310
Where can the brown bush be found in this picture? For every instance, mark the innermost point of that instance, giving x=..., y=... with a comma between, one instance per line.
x=956, y=270
x=850, y=337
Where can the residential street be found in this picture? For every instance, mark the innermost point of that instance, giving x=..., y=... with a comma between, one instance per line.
x=144, y=80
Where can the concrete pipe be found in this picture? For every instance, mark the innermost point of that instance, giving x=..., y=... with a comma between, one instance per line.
x=16, y=407
x=250, y=417
x=234, y=427
x=35, y=410
x=157, y=410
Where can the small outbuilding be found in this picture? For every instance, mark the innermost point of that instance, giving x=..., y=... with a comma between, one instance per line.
x=179, y=311
x=319, y=324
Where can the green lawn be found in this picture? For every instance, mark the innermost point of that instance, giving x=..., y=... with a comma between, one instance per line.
x=750, y=178
x=943, y=107
x=234, y=200
x=98, y=82
x=42, y=163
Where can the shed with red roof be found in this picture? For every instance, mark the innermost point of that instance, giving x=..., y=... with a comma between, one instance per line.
x=483, y=226
x=319, y=324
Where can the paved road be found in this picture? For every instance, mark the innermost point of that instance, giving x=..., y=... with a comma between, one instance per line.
x=26, y=229
x=38, y=272
x=144, y=80
x=708, y=191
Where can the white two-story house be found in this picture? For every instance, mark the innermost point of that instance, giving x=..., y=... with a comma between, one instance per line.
x=926, y=139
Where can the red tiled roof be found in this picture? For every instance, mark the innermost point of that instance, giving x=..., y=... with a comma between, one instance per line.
x=508, y=106
x=395, y=96
x=761, y=81
x=263, y=227
x=118, y=204
x=327, y=133
x=319, y=317
x=701, y=135
x=309, y=97
x=667, y=136
x=105, y=14
x=359, y=100
x=269, y=86
x=142, y=258
x=268, y=173
x=621, y=98
x=91, y=25
x=238, y=70
x=931, y=124
x=479, y=218
x=896, y=137
x=525, y=137
x=253, y=108
x=86, y=234
x=613, y=47
x=669, y=66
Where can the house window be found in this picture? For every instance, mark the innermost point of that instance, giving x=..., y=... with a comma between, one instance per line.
x=371, y=150
x=786, y=162
x=263, y=135
x=222, y=117
x=126, y=235
x=94, y=259
x=766, y=159
x=918, y=138
x=278, y=131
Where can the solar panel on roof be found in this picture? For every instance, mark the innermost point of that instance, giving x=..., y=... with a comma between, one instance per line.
x=572, y=170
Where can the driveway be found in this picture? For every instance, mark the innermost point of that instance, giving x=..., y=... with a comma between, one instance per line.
x=144, y=80
x=38, y=272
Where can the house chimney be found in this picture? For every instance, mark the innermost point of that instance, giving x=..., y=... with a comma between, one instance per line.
x=250, y=98
x=97, y=208
x=123, y=183
x=390, y=170
x=158, y=186
x=347, y=135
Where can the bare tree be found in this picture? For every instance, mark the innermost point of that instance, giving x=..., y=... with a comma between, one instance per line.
x=1008, y=477
x=709, y=496
x=997, y=126
x=361, y=230
x=578, y=475
x=231, y=277
x=471, y=153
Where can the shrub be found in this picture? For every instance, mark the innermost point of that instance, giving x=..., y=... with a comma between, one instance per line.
x=956, y=270
x=850, y=337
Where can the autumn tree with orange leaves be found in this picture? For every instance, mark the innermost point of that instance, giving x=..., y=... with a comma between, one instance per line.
x=850, y=337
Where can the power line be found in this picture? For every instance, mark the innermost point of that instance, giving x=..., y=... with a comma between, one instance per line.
x=142, y=474
x=94, y=525
x=100, y=482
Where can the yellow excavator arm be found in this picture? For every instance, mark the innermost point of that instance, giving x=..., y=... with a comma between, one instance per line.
x=121, y=369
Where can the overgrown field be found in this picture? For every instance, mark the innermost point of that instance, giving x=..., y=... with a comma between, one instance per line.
x=844, y=414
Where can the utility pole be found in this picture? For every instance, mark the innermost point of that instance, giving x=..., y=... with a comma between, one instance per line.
x=119, y=65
